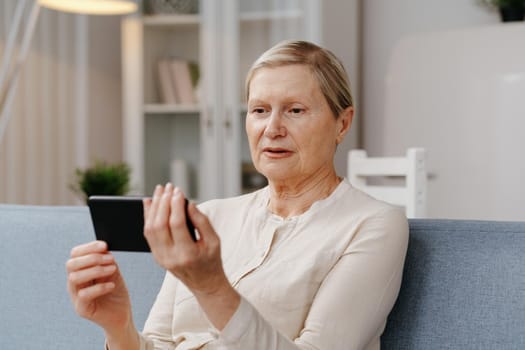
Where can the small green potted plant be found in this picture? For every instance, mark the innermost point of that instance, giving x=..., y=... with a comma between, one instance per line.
x=510, y=10
x=102, y=179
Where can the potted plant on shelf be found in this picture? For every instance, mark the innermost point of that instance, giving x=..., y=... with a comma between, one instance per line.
x=102, y=179
x=510, y=10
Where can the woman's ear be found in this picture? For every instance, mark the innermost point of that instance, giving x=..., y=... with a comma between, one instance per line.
x=343, y=123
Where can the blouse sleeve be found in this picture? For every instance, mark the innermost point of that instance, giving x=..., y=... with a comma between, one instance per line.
x=157, y=333
x=352, y=304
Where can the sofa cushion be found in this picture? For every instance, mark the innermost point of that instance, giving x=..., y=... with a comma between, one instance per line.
x=36, y=312
x=463, y=287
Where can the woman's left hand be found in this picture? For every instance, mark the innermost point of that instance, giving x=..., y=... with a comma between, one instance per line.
x=197, y=264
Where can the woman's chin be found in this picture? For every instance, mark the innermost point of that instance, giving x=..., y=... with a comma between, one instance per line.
x=277, y=175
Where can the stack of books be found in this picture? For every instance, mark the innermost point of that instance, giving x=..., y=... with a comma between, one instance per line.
x=177, y=80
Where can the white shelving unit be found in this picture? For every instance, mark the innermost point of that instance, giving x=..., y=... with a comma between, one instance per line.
x=224, y=39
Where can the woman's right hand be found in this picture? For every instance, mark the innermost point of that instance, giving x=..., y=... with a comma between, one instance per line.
x=97, y=289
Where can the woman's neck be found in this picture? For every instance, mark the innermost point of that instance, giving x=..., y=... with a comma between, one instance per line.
x=292, y=199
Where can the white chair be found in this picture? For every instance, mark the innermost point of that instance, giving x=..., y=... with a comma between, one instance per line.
x=413, y=195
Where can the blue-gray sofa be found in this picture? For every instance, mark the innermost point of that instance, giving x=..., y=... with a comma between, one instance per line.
x=463, y=287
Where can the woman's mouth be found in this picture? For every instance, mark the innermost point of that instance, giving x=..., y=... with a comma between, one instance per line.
x=276, y=152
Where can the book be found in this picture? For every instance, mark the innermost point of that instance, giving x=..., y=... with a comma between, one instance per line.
x=182, y=81
x=166, y=84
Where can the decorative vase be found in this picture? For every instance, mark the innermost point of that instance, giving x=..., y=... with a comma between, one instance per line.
x=511, y=13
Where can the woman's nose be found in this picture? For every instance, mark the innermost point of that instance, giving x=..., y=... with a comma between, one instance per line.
x=275, y=126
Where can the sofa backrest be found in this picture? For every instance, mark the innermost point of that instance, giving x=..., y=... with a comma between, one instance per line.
x=35, y=309
x=463, y=287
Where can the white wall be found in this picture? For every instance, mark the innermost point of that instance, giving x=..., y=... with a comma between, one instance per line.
x=448, y=76
x=341, y=34
x=385, y=23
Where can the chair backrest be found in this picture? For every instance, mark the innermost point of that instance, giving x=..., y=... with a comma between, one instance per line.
x=412, y=195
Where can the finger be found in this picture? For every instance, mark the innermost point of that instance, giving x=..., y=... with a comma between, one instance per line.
x=87, y=276
x=201, y=223
x=163, y=210
x=89, y=248
x=146, y=204
x=177, y=220
x=152, y=210
x=94, y=291
x=83, y=300
x=156, y=229
x=86, y=261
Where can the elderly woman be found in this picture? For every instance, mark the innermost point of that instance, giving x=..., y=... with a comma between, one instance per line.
x=307, y=262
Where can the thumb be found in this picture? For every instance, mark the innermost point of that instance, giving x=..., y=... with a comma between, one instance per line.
x=201, y=223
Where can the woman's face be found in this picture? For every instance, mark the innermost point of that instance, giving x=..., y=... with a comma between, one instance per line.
x=291, y=129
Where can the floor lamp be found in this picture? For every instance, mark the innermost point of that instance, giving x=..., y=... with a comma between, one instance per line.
x=11, y=64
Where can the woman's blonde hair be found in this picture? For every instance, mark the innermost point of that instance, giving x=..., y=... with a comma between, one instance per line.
x=326, y=67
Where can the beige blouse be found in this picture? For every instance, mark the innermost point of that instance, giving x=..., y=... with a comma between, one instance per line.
x=325, y=279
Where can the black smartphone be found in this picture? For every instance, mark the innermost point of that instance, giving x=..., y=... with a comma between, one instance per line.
x=119, y=221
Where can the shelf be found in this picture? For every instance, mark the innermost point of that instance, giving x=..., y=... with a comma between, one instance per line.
x=194, y=19
x=270, y=15
x=162, y=108
x=171, y=20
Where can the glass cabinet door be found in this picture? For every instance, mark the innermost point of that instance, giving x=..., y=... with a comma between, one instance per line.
x=200, y=145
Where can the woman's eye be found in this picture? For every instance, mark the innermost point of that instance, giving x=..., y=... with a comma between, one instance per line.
x=258, y=110
x=295, y=111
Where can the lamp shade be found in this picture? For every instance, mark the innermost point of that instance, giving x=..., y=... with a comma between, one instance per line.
x=92, y=7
